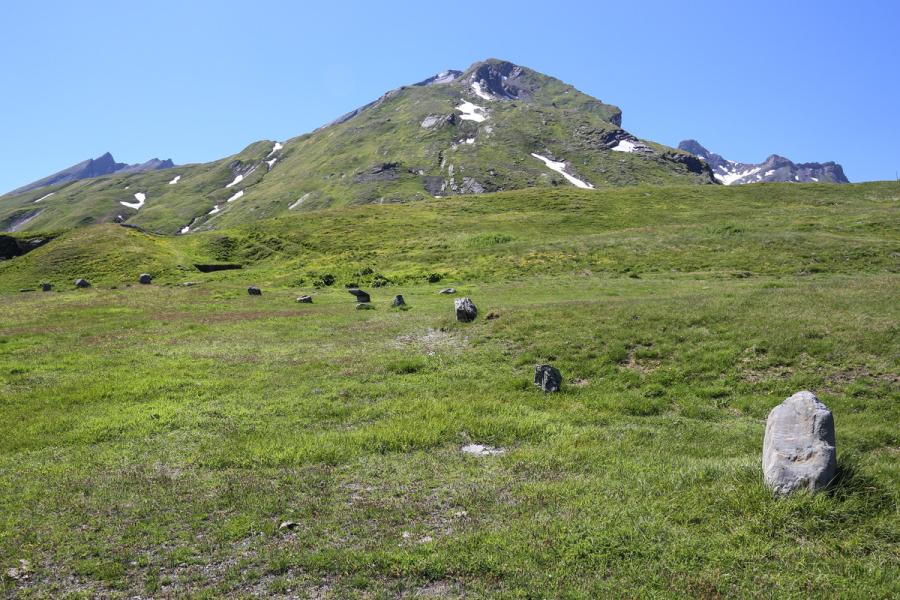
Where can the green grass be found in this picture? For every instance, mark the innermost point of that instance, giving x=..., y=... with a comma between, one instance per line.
x=152, y=439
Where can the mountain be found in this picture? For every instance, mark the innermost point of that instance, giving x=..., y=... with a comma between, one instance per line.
x=94, y=167
x=495, y=126
x=774, y=169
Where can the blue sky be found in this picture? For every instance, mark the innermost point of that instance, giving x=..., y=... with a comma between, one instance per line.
x=195, y=81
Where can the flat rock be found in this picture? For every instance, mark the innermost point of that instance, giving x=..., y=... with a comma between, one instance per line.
x=447, y=291
x=254, y=291
x=466, y=310
x=548, y=378
x=799, y=446
x=481, y=450
x=304, y=299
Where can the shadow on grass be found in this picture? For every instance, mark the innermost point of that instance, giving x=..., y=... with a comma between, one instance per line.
x=850, y=483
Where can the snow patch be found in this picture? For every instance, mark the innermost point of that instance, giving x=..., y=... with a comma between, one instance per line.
x=141, y=197
x=176, y=180
x=278, y=146
x=476, y=88
x=816, y=179
x=236, y=196
x=730, y=177
x=215, y=209
x=769, y=173
x=470, y=141
x=44, y=197
x=559, y=167
x=236, y=181
x=625, y=146
x=271, y=163
x=471, y=112
x=300, y=201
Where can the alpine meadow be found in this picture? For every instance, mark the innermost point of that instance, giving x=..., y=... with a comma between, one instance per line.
x=473, y=339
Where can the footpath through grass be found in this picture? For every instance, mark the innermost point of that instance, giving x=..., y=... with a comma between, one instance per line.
x=154, y=438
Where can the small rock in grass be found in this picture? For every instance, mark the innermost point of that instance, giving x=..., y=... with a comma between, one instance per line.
x=361, y=296
x=398, y=301
x=46, y=287
x=465, y=310
x=364, y=306
x=481, y=450
x=189, y=283
x=254, y=291
x=145, y=278
x=82, y=283
x=305, y=299
x=799, y=445
x=447, y=291
x=548, y=378
x=289, y=525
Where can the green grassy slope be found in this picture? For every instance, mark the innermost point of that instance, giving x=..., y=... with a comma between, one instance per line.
x=152, y=439
x=332, y=166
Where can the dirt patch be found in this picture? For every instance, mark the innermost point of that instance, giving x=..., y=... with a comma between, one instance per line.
x=641, y=365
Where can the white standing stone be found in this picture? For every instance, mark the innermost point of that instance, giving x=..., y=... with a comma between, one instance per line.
x=799, y=446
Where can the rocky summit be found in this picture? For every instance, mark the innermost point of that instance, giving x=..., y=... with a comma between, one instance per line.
x=773, y=169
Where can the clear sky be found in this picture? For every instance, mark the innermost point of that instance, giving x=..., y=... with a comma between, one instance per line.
x=198, y=80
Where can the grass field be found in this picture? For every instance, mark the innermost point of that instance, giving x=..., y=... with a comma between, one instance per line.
x=154, y=438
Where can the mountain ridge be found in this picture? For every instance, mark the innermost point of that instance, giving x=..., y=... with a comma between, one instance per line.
x=104, y=164
x=774, y=169
x=495, y=126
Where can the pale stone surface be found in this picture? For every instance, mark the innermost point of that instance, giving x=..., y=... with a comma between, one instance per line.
x=799, y=446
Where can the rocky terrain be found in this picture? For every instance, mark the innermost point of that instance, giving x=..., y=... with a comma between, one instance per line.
x=774, y=169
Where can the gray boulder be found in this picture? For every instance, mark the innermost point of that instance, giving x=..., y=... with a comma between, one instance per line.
x=46, y=287
x=305, y=299
x=447, y=291
x=398, y=301
x=82, y=283
x=466, y=310
x=548, y=378
x=145, y=278
x=254, y=291
x=361, y=296
x=799, y=446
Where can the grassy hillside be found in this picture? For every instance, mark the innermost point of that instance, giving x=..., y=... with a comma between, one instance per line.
x=154, y=438
x=414, y=143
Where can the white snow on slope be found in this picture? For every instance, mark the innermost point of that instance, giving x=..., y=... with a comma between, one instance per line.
x=559, y=167
x=215, y=209
x=236, y=196
x=470, y=141
x=624, y=146
x=815, y=179
x=185, y=229
x=732, y=176
x=44, y=197
x=300, y=201
x=770, y=173
x=278, y=146
x=174, y=181
x=236, y=181
x=476, y=87
x=471, y=112
x=141, y=197
x=271, y=163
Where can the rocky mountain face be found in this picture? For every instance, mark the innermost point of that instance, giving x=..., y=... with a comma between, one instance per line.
x=774, y=169
x=495, y=126
x=95, y=167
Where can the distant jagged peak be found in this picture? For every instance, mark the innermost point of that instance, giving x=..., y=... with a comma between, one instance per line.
x=774, y=169
x=448, y=76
